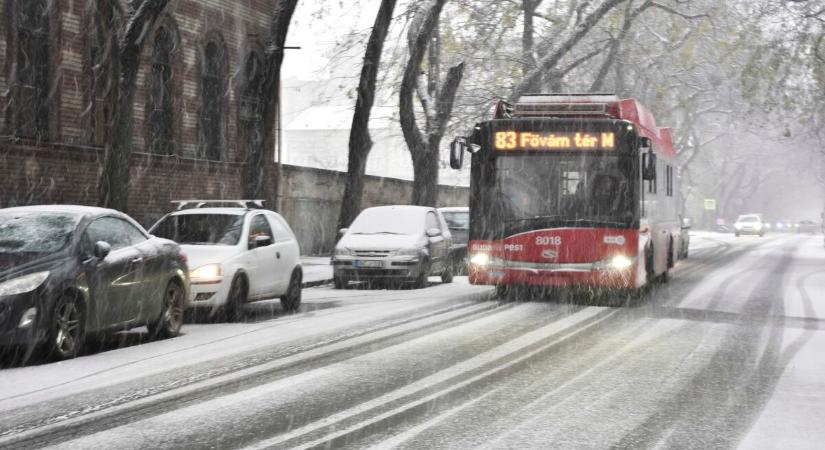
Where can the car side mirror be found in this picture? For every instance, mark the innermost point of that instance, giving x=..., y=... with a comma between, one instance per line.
x=457, y=148
x=102, y=249
x=433, y=232
x=649, y=170
x=262, y=241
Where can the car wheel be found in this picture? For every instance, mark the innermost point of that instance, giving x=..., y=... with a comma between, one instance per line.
x=170, y=321
x=670, y=259
x=233, y=310
x=291, y=301
x=736, y=234
x=420, y=281
x=339, y=283
x=66, y=331
x=447, y=276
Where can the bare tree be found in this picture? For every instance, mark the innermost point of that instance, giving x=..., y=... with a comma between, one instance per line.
x=424, y=147
x=139, y=17
x=258, y=158
x=580, y=25
x=360, y=142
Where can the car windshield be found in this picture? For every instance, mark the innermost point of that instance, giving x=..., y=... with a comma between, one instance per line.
x=457, y=220
x=35, y=232
x=749, y=219
x=200, y=229
x=389, y=221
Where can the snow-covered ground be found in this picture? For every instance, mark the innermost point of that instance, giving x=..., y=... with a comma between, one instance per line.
x=729, y=353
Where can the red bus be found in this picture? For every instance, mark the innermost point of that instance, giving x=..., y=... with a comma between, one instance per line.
x=571, y=190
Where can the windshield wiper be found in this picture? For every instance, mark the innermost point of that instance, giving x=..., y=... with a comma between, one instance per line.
x=564, y=219
x=378, y=232
x=524, y=219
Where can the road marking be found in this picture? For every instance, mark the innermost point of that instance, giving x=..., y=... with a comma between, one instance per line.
x=477, y=362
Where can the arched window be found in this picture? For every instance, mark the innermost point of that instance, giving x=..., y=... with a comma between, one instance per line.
x=31, y=74
x=97, y=113
x=160, y=117
x=213, y=89
x=251, y=106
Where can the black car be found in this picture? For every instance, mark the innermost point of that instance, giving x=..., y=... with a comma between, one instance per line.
x=69, y=271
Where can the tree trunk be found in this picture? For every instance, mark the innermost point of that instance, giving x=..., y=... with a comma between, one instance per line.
x=528, y=62
x=113, y=190
x=425, y=177
x=259, y=158
x=424, y=149
x=360, y=142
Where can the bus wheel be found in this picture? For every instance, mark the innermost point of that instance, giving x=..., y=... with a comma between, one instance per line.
x=500, y=292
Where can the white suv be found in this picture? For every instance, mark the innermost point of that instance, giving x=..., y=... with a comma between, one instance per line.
x=236, y=254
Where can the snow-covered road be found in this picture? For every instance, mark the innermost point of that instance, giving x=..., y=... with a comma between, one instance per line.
x=729, y=353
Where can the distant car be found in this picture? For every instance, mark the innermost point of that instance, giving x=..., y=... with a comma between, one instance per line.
x=749, y=224
x=238, y=253
x=394, y=243
x=69, y=271
x=458, y=221
x=807, y=226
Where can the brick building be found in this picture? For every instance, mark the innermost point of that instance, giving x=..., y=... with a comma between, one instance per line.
x=198, y=92
x=198, y=88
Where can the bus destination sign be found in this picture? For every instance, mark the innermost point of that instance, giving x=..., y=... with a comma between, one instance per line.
x=529, y=140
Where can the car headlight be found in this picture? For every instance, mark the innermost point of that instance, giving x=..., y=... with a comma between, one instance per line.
x=480, y=259
x=207, y=272
x=758, y=226
x=21, y=285
x=621, y=262
x=342, y=251
x=737, y=226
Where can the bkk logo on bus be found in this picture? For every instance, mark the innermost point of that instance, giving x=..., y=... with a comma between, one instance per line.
x=525, y=140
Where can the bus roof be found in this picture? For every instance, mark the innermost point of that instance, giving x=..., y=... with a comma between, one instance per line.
x=590, y=105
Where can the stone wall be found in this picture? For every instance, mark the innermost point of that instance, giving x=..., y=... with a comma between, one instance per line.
x=310, y=199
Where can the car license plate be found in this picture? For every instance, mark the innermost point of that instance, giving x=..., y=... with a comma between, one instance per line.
x=369, y=264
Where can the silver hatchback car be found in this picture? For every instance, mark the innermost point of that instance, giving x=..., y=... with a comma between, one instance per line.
x=396, y=244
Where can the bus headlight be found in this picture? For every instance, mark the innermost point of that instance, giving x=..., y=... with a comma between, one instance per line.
x=620, y=262
x=480, y=259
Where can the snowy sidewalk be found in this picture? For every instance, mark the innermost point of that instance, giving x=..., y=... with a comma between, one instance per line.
x=317, y=270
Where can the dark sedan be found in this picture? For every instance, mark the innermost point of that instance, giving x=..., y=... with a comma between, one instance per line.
x=69, y=271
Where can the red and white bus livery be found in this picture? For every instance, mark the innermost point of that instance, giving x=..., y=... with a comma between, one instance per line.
x=571, y=190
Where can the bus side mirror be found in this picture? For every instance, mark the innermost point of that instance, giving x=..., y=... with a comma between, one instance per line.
x=457, y=148
x=649, y=170
x=644, y=142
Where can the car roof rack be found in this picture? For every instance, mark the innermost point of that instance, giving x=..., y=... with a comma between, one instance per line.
x=191, y=204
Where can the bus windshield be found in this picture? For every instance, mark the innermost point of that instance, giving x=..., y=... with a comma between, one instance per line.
x=565, y=190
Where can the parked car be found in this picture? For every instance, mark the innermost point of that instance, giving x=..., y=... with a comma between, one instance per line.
x=749, y=224
x=808, y=226
x=68, y=271
x=394, y=243
x=458, y=221
x=238, y=253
